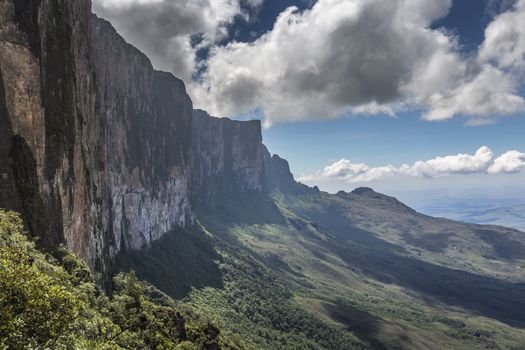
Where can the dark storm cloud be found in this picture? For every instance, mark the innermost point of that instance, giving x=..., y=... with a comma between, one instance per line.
x=164, y=28
x=370, y=55
x=319, y=63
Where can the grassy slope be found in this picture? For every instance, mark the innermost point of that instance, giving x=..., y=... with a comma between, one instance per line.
x=359, y=270
x=402, y=266
x=250, y=302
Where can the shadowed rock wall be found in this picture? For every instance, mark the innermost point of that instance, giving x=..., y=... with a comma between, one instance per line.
x=95, y=147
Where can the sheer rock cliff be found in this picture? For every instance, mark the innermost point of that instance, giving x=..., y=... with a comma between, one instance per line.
x=228, y=158
x=95, y=145
x=99, y=151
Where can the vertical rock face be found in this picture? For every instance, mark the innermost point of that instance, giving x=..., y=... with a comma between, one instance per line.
x=228, y=157
x=278, y=176
x=95, y=145
x=145, y=147
x=48, y=97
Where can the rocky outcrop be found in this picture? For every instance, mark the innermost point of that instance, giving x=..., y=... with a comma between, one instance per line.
x=228, y=158
x=278, y=176
x=95, y=146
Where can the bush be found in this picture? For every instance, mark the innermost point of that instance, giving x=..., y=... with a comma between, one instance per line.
x=38, y=303
x=50, y=302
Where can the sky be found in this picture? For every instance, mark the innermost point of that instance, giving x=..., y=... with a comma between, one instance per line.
x=403, y=96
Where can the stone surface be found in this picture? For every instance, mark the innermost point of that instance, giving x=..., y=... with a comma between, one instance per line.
x=95, y=147
x=278, y=176
x=228, y=158
x=145, y=146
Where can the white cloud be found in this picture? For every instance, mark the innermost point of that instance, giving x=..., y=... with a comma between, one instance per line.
x=367, y=56
x=358, y=172
x=453, y=164
x=488, y=94
x=482, y=162
x=505, y=40
x=491, y=88
x=508, y=162
x=339, y=57
x=163, y=29
x=321, y=62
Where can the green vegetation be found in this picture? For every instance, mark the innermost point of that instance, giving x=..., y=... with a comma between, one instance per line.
x=315, y=271
x=50, y=302
x=238, y=289
x=345, y=279
x=258, y=306
x=179, y=261
x=250, y=303
x=307, y=271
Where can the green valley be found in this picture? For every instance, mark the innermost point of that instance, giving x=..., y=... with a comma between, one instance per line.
x=348, y=271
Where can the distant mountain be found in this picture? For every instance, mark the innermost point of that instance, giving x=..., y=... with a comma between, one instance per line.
x=485, y=211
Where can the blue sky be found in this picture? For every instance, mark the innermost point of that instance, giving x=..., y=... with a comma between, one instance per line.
x=397, y=95
x=379, y=140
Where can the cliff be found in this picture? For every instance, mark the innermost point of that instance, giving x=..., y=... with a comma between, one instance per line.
x=97, y=149
x=228, y=158
x=278, y=176
x=94, y=144
x=48, y=99
x=144, y=149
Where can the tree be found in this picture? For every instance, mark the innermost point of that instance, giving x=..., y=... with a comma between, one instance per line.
x=38, y=302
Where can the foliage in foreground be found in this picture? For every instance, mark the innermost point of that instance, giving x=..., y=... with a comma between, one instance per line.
x=50, y=302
